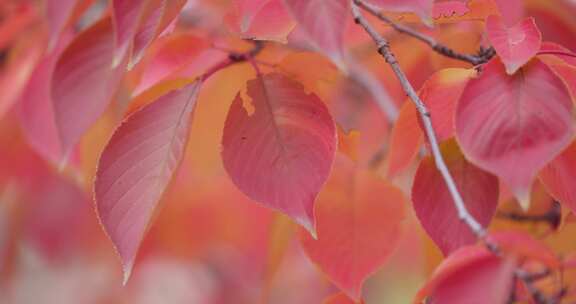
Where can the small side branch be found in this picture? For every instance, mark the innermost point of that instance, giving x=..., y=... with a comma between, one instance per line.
x=484, y=54
x=384, y=49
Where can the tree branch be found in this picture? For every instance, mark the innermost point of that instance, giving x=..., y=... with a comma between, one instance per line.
x=384, y=49
x=483, y=55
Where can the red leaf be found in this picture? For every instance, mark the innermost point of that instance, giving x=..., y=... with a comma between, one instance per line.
x=323, y=21
x=262, y=19
x=137, y=165
x=513, y=125
x=58, y=15
x=281, y=154
x=126, y=15
x=423, y=8
x=36, y=108
x=434, y=205
x=155, y=18
x=559, y=177
x=440, y=93
x=467, y=274
x=84, y=82
x=405, y=141
x=515, y=45
x=359, y=224
x=169, y=57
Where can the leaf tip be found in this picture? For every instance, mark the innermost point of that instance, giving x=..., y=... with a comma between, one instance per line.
x=127, y=272
x=523, y=197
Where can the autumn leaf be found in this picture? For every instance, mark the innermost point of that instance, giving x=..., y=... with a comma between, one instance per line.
x=359, y=224
x=137, y=165
x=281, y=153
x=435, y=207
x=513, y=125
x=515, y=45
x=83, y=82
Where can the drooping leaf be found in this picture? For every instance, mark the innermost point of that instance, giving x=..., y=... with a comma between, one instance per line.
x=359, y=224
x=515, y=45
x=36, y=108
x=324, y=22
x=468, y=274
x=156, y=17
x=60, y=14
x=434, y=205
x=84, y=81
x=513, y=125
x=137, y=165
x=126, y=15
x=281, y=153
x=559, y=177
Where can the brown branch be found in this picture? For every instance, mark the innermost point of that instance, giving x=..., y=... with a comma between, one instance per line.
x=537, y=295
x=233, y=58
x=483, y=55
x=552, y=217
x=384, y=49
x=463, y=213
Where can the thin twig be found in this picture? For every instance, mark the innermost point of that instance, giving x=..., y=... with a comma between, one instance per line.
x=528, y=279
x=483, y=55
x=463, y=213
x=384, y=49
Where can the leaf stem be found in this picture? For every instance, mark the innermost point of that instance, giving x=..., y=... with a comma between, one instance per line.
x=233, y=58
x=483, y=56
x=384, y=49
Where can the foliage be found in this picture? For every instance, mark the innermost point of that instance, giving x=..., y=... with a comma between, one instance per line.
x=421, y=144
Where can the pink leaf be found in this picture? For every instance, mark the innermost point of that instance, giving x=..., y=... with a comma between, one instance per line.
x=281, y=154
x=359, y=225
x=467, y=274
x=36, y=108
x=126, y=15
x=434, y=205
x=515, y=45
x=156, y=17
x=513, y=125
x=137, y=165
x=440, y=93
x=84, y=82
x=405, y=141
x=58, y=13
x=323, y=21
x=559, y=177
